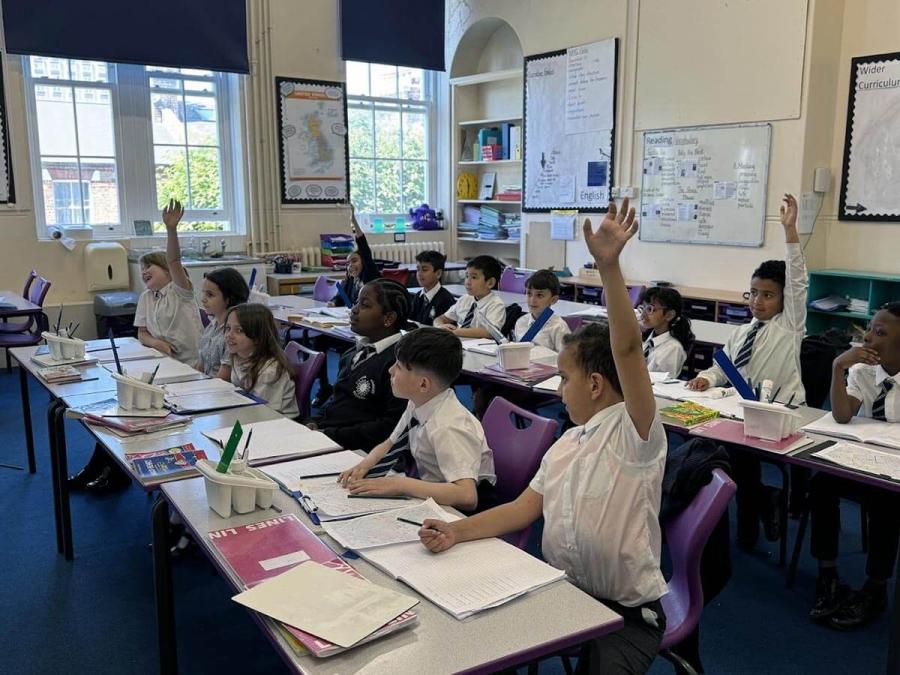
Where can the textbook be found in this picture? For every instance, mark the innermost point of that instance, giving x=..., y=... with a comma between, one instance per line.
x=59, y=374
x=166, y=463
x=279, y=438
x=688, y=413
x=260, y=551
x=534, y=373
x=863, y=429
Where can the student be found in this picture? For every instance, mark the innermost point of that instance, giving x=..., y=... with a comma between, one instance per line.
x=363, y=411
x=667, y=336
x=447, y=443
x=541, y=292
x=433, y=300
x=599, y=486
x=480, y=307
x=767, y=348
x=361, y=267
x=865, y=381
x=255, y=361
x=222, y=289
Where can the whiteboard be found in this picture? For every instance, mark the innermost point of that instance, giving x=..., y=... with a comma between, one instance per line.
x=705, y=185
x=569, y=128
x=870, y=180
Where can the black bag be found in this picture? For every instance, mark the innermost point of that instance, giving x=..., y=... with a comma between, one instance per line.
x=513, y=313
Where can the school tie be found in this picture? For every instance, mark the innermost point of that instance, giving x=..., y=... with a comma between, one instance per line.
x=743, y=357
x=469, y=317
x=878, y=404
x=398, y=450
x=362, y=355
x=648, y=347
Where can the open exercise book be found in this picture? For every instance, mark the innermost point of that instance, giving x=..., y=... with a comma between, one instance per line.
x=278, y=438
x=383, y=529
x=863, y=429
x=290, y=475
x=261, y=551
x=882, y=463
x=724, y=400
x=325, y=499
x=169, y=371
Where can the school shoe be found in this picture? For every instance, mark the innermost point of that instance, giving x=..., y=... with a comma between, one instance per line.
x=90, y=471
x=830, y=593
x=111, y=479
x=860, y=607
x=770, y=512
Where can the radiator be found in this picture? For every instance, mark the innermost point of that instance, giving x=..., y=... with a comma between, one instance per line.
x=311, y=256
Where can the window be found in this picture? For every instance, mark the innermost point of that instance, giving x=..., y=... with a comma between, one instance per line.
x=111, y=144
x=390, y=113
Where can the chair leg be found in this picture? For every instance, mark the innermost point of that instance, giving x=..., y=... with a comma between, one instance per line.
x=798, y=544
x=864, y=527
x=681, y=666
x=8, y=364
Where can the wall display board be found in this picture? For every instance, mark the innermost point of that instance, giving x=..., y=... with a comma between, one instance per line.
x=7, y=190
x=570, y=103
x=314, y=159
x=870, y=180
x=705, y=185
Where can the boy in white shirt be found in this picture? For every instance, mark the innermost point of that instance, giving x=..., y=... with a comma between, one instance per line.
x=541, y=292
x=480, y=307
x=445, y=440
x=599, y=486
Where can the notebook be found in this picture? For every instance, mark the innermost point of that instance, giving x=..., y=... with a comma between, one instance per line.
x=550, y=384
x=209, y=400
x=278, y=438
x=127, y=351
x=732, y=431
x=383, y=529
x=328, y=500
x=863, y=429
x=290, y=475
x=198, y=386
x=169, y=371
x=883, y=463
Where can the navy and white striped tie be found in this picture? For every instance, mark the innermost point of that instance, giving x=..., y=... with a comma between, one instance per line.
x=743, y=357
x=648, y=346
x=361, y=355
x=469, y=317
x=398, y=450
x=878, y=404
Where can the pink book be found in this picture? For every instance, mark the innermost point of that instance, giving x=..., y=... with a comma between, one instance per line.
x=535, y=372
x=263, y=550
x=732, y=431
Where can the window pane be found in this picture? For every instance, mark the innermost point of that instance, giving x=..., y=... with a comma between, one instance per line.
x=95, y=124
x=387, y=200
x=362, y=185
x=413, y=185
x=160, y=69
x=412, y=83
x=200, y=115
x=414, y=135
x=199, y=85
x=357, y=78
x=384, y=81
x=89, y=71
x=47, y=66
x=56, y=121
x=362, y=137
x=196, y=226
x=387, y=133
x=206, y=190
x=59, y=184
x=190, y=72
x=171, y=175
x=100, y=190
x=165, y=83
x=167, y=113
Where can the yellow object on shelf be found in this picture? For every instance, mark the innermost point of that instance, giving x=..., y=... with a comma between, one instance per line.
x=466, y=185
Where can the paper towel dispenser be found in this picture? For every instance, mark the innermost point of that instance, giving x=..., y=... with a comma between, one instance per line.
x=105, y=266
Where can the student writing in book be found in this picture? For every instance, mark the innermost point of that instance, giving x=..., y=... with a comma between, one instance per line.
x=541, y=292
x=767, y=348
x=667, y=331
x=599, y=486
x=445, y=440
x=865, y=381
x=255, y=361
x=222, y=289
x=433, y=300
x=480, y=307
x=362, y=411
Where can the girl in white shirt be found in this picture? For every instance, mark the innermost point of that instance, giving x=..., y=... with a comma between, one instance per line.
x=255, y=361
x=667, y=331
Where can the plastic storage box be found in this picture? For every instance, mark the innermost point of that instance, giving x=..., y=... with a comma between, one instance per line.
x=769, y=421
x=241, y=488
x=514, y=355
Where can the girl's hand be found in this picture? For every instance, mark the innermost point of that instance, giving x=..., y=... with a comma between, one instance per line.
x=172, y=213
x=354, y=224
x=436, y=535
x=698, y=384
x=789, y=212
x=614, y=232
x=856, y=355
x=166, y=348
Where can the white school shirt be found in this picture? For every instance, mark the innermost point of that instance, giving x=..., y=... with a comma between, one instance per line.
x=277, y=390
x=172, y=314
x=776, y=350
x=448, y=444
x=864, y=384
x=550, y=335
x=666, y=355
x=429, y=295
x=489, y=310
x=602, y=487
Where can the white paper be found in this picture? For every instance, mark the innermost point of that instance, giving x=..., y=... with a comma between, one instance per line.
x=128, y=351
x=550, y=384
x=562, y=225
x=859, y=429
x=565, y=189
x=383, y=529
x=491, y=348
x=208, y=400
x=291, y=474
x=284, y=560
x=587, y=84
x=332, y=501
x=326, y=603
x=278, y=438
x=656, y=376
x=862, y=458
x=170, y=370
x=198, y=386
x=724, y=189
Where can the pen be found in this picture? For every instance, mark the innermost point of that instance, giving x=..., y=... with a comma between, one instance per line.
x=410, y=521
x=790, y=400
x=153, y=377
x=775, y=395
x=321, y=475
x=112, y=341
x=377, y=497
x=245, y=455
x=74, y=329
x=276, y=508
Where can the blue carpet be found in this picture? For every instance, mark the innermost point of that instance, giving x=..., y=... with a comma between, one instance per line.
x=96, y=614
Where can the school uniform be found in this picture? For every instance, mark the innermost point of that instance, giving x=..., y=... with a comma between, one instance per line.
x=879, y=394
x=212, y=347
x=427, y=305
x=353, y=285
x=602, y=486
x=172, y=314
x=664, y=354
x=363, y=410
x=277, y=389
x=467, y=312
x=550, y=335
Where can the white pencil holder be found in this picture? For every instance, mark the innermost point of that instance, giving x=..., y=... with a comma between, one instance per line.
x=63, y=348
x=135, y=394
x=514, y=355
x=241, y=489
x=769, y=421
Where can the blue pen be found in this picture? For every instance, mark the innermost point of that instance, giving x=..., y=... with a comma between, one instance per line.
x=341, y=292
x=252, y=278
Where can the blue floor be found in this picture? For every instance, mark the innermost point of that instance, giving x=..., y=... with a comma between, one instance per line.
x=96, y=614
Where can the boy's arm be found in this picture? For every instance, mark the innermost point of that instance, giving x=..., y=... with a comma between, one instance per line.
x=796, y=280
x=369, y=268
x=359, y=471
x=606, y=246
x=844, y=405
x=472, y=332
x=146, y=339
x=461, y=494
x=171, y=216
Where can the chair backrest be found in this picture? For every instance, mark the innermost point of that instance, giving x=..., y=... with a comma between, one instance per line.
x=306, y=365
x=32, y=275
x=574, y=322
x=634, y=294
x=36, y=295
x=512, y=281
x=686, y=537
x=401, y=276
x=324, y=290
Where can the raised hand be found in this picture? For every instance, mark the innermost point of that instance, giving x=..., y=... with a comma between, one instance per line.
x=789, y=211
x=172, y=213
x=617, y=227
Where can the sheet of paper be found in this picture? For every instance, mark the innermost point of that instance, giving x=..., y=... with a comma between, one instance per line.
x=332, y=501
x=198, y=386
x=278, y=438
x=677, y=390
x=129, y=351
x=209, y=400
x=862, y=458
x=656, y=376
x=382, y=529
x=859, y=428
x=326, y=603
x=291, y=474
x=550, y=384
x=562, y=223
x=170, y=370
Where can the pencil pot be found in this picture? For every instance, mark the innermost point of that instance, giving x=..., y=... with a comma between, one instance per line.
x=239, y=492
x=63, y=348
x=514, y=355
x=769, y=421
x=133, y=394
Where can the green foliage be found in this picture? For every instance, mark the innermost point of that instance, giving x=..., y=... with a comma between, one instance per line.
x=205, y=183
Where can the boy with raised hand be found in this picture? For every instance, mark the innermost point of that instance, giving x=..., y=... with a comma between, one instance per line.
x=445, y=440
x=599, y=486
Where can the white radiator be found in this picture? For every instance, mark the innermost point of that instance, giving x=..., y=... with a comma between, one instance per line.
x=311, y=256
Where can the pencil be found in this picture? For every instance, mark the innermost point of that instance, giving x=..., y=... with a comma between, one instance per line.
x=410, y=521
x=245, y=455
x=153, y=377
x=377, y=497
x=58, y=319
x=112, y=341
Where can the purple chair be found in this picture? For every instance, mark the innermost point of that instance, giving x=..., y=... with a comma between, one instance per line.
x=517, y=451
x=634, y=293
x=30, y=334
x=512, y=281
x=324, y=290
x=19, y=326
x=574, y=322
x=306, y=365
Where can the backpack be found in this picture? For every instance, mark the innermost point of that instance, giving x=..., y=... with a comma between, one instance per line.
x=513, y=313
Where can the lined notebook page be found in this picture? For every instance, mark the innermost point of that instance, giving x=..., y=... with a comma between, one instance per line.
x=879, y=462
x=198, y=386
x=291, y=474
x=383, y=529
x=333, y=501
x=278, y=438
x=170, y=370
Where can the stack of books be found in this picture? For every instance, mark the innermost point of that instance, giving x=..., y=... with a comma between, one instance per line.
x=335, y=249
x=689, y=413
x=166, y=463
x=59, y=374
x=514, y=226
x=509, y=193
x=534, y=373
x=491, y=224
x=469, y=224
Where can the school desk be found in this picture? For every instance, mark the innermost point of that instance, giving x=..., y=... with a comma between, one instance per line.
x=22, y=307
x=490, y=641
x=293, y=282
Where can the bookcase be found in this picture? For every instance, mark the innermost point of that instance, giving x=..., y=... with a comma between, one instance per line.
x=876, y=289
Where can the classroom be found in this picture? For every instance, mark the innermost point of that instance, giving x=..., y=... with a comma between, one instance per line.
x=367, y=336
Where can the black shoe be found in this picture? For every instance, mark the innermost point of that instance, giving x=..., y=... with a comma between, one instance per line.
x=860, y=607
x=770, y=512
x=184, y=547
x=110, y=480
x=80, y=480
x=830, y=592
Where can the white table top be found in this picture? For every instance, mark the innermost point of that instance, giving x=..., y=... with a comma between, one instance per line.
x=104, y=381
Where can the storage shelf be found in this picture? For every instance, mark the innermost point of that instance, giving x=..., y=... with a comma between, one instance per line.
x=469, y=162
x=481, y=78
x=487, y=201
x=508, y=242
x=848, y=315
x=490, y=120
